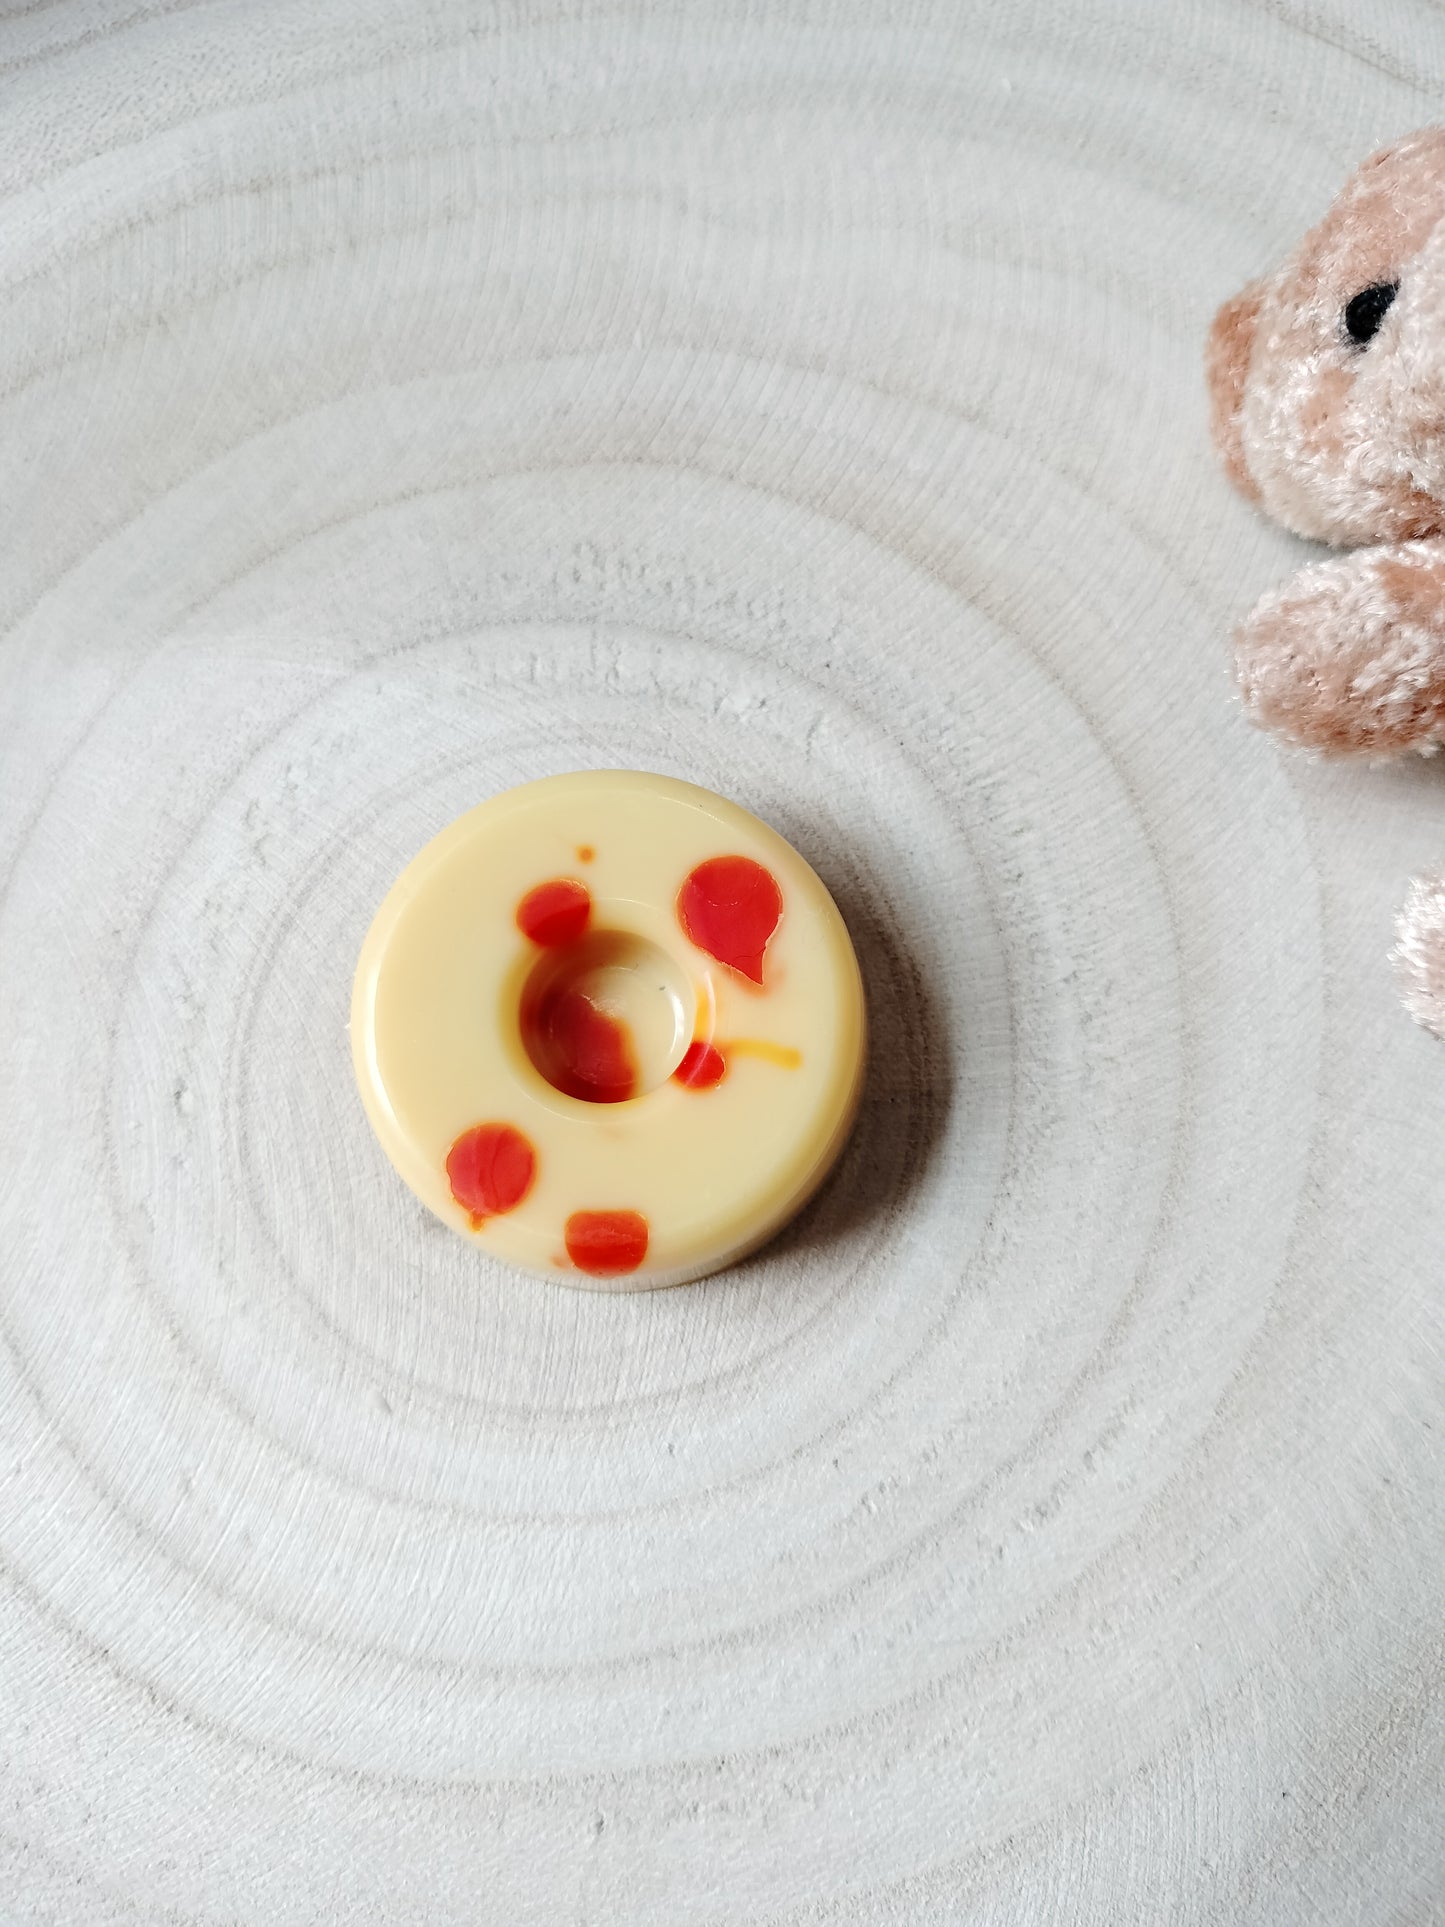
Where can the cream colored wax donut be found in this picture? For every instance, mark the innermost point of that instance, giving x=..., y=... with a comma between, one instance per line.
x=611, y=1026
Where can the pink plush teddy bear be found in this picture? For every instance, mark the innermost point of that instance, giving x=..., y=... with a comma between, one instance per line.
x=1328, y=389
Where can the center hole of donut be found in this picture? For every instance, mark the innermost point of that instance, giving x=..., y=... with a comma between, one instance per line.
x=606, y=1018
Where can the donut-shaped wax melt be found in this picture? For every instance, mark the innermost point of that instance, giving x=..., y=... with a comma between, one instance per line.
x=610, y=1026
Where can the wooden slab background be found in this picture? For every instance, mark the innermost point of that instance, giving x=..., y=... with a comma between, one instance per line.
x=403, y=398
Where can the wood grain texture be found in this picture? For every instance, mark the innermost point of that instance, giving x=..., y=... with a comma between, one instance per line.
x=402, y=400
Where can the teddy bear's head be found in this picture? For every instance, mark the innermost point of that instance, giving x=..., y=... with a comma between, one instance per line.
x=1328, y=378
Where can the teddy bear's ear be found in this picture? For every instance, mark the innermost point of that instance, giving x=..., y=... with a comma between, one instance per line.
x=1231, y=339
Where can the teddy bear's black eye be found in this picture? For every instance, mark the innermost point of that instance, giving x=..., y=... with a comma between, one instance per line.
x=1366, y=310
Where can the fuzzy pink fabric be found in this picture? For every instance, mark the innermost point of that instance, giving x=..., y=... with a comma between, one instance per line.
x=1344, y=440
x=1350, y=656
x=1419, y=956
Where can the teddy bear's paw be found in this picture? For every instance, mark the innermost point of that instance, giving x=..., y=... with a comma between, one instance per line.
x=1350, y=657
x=1419, y=955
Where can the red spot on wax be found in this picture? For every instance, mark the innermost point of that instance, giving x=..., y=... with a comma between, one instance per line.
x=703, y=1065
x=729, y=907
x=491, y=1169
x=582, y=1051
x=606, y=1243
x=585, y=853
x=556, y=912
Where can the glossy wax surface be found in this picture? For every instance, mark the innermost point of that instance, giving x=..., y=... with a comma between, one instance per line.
x=611, y=1026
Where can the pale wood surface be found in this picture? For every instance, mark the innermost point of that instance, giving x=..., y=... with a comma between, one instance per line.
x=402, y=398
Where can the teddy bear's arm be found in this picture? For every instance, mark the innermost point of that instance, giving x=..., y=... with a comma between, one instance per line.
x=1419, y=957
x=1349, y=657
